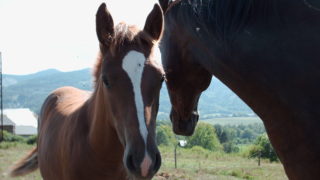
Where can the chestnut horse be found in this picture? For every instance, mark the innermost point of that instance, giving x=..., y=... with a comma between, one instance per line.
x=266, y=51
x=110, y=133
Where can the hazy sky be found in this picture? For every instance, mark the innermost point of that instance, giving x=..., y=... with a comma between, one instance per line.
x=41, y=34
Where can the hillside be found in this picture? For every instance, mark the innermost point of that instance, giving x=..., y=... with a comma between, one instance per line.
x=29, y=91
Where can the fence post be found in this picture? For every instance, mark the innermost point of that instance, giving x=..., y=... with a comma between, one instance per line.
x=259, y=157
x=175, y=156
x=1, y=96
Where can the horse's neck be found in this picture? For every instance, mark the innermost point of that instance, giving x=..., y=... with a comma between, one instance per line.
x=102, y=135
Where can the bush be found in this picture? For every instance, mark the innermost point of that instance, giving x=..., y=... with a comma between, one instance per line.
x=165, y=135
x=8, y=137
x=32, y=139
x=205, y=137
x=199, y=150
x=263, y=148
x=7, y=145
x=230, y=147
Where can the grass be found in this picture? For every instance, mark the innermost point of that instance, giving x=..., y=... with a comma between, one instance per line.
x=11, y=152
x=192, y=165
x=214, y=165
x=233, y=120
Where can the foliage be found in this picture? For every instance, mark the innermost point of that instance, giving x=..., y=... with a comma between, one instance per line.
x=11, y=140
x=230, y=147
x=165, y=135
x=263, y=148
x=205, y=137
x=198, y=150
x=8, y=137
x=7, y=145
x=32, y=139
x=231, y=137
x=239, y=134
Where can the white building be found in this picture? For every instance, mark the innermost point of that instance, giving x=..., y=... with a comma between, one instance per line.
x=25, y=121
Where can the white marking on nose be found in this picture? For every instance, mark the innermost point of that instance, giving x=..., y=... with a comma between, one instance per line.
x=145, y=165
x=133, y=64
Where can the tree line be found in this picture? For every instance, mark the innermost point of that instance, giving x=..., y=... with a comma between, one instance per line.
x=250, y=140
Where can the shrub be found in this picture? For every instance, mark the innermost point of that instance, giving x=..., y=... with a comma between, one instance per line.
x=205, y=137
x=263, y=148
x=199, y=150
x=32, y=139
x=165, y=135
x=8, y=137
x=230, y=147
x=7, y=145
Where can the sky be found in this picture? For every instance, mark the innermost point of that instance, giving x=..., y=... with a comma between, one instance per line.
x=40, y=34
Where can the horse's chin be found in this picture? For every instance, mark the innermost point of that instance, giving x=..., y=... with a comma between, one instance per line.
x=133, y=177
x=184, y=127
x=137, y=178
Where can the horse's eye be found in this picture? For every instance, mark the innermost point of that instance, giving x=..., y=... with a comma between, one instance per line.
x=105, y=81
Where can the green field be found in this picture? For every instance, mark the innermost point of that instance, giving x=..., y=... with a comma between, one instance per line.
x=233, y=120
x=10, y=155
x=192, y=165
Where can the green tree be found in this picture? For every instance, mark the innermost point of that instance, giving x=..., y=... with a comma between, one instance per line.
x=165, y=135
x=230, y=147
x=247, y=134
x=205, y=137
x=263, y=147
x=12, y=138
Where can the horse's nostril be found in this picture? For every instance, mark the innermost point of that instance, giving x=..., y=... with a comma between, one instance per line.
x=157, y=162
x=130, y=164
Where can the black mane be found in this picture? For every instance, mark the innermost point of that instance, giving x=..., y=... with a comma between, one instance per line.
x=224, y=18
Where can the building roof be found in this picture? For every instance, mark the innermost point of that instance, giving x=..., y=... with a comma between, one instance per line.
x=24, y=120
x=21, y=117
x=7, y=121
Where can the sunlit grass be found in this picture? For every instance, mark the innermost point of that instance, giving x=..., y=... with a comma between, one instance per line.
x=193, y=164
x=11, y=152
x=216, y=165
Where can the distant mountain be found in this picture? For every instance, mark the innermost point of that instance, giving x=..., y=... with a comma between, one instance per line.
x=29, y=91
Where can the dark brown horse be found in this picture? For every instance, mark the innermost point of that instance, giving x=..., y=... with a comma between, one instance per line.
x=110, y=133
x=267, y=52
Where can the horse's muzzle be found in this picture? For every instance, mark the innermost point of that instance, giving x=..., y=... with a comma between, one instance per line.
x=184, y=126
x=143, y=169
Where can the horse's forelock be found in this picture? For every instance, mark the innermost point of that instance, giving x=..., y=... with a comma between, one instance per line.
x=123, y=33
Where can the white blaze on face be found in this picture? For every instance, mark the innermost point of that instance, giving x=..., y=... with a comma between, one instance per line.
x=133, y=64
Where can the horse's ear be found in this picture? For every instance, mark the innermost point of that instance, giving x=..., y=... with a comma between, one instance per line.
x=154, y=23
x=104, y=25
x=164, y=4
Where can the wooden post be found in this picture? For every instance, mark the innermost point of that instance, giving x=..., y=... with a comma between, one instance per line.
x=175, y=156
x=1, y=96
x=259, y=157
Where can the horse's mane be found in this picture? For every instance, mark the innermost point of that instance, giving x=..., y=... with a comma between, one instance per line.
x=123, y=34
x=223, y=17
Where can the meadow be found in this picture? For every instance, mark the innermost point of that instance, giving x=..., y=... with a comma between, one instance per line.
x=193, y=164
